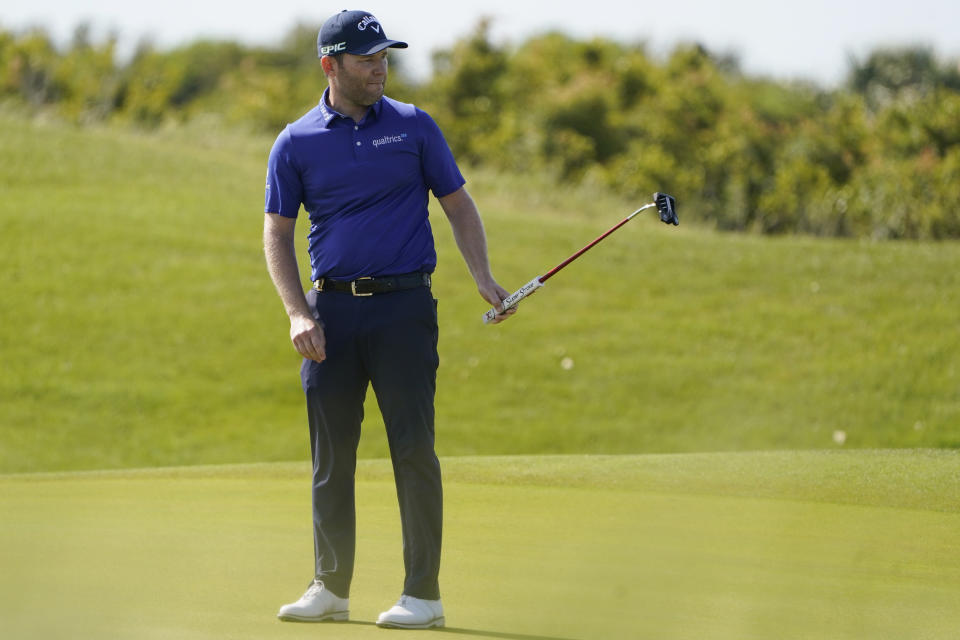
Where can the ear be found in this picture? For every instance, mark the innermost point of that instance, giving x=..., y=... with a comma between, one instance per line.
x=329, y=67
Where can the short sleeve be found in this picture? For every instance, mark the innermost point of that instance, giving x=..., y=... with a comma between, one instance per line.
x=440, y=171
x=284, y=189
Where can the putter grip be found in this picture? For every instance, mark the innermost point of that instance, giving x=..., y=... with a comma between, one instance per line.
x=514, y=298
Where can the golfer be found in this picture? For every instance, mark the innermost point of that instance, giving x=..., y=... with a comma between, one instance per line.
x=362, y=165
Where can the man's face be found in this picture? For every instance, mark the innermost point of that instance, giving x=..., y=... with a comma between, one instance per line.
x=360, y=79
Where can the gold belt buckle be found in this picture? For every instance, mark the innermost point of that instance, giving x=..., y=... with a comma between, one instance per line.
x=318, y=284
x=353, y=287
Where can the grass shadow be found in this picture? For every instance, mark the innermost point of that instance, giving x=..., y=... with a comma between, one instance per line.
x=497, y=634
x=479, y=633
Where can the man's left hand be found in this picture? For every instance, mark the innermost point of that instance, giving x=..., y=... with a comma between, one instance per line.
x=495, y=294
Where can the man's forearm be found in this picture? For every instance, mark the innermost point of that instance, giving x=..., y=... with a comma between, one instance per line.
x=469, y=234
x=305, y=333
x=472, y=241
x=280, y=253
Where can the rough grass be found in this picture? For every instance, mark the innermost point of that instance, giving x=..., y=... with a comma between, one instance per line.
x=138, y=326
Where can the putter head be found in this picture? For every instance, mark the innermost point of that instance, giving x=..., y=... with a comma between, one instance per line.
x=667, y=206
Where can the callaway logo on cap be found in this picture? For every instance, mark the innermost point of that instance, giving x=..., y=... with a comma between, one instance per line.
x=355, y=32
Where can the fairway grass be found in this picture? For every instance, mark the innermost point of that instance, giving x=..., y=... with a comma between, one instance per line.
x=852, y=544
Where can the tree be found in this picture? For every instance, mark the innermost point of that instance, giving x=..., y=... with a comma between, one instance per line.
x=890, y=74
x=465, y=92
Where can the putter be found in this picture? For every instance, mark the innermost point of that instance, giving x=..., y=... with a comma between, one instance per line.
x=665, y=204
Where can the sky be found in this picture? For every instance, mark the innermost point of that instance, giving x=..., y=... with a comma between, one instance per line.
x=811, y=40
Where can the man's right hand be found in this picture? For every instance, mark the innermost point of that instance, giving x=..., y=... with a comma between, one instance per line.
x=308, y=338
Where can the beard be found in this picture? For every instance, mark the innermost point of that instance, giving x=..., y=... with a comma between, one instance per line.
x=359, y=90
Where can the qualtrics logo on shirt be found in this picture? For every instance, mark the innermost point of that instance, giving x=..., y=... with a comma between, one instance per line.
x=389, y=140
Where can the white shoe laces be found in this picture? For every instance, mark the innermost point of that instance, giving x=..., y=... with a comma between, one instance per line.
x=313, y=590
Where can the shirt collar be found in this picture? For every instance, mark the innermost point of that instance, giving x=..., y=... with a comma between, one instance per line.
x=328, y=114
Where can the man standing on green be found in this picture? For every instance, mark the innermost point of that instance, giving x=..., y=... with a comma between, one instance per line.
x=362, y=165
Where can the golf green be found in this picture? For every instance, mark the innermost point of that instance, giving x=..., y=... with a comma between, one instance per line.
x=858, y=544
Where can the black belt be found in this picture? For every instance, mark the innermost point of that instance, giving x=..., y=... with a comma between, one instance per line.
x=380, y=284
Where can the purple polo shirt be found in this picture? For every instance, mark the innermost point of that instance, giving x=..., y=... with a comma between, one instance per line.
x=365, y=187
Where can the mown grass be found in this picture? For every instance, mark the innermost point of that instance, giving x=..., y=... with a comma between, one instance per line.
x=138, y=326
x=840, y=545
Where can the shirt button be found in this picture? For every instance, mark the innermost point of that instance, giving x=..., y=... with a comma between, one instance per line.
x=358, y=143
x=356, y=128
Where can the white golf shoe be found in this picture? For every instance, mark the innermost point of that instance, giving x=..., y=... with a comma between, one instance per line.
x=316, y=605
x=413, y=613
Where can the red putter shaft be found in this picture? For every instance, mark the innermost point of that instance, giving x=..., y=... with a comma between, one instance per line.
x=531, y=287
x=557, y=268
